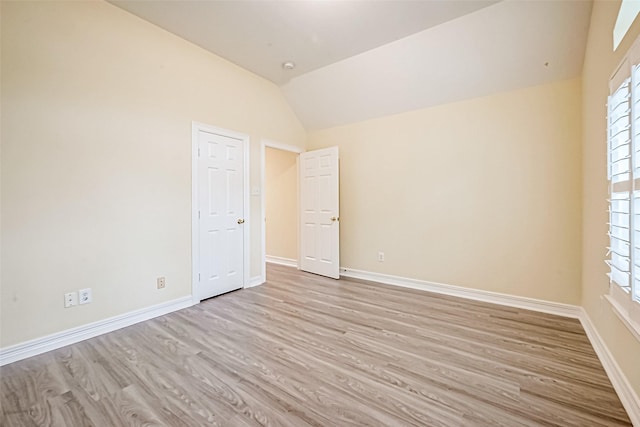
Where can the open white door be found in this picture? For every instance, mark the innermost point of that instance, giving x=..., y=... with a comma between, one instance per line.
x=320, y=212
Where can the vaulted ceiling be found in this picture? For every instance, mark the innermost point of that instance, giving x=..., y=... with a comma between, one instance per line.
x=357, y=60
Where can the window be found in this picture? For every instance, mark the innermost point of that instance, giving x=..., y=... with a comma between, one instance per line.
x=623, y=152
x=629, y=9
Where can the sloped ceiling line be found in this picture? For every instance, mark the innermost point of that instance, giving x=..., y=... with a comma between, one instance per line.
x=358, y=60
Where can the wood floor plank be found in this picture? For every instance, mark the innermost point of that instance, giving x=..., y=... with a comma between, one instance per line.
x=303, y=350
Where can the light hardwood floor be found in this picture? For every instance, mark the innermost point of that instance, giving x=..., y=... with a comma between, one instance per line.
x=303, y=350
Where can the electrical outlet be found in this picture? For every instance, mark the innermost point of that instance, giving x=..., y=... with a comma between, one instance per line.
x=380, y=256
x=84, y=296
x=161, y=282
x=70, y=299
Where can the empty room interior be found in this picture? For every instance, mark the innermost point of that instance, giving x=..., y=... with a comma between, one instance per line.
x=320, y=213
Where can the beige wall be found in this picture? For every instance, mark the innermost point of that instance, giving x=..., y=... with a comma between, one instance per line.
x=281, y=203
x=483, y=193
x=600, y=62
x=97, y=108
x=96, y=119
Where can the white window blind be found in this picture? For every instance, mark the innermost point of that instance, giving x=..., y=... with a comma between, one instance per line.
x=620, y=239
x=636, y=247
x=623, y=170
x=620, y=133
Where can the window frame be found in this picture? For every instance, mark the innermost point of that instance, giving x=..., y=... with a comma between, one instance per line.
x=625, y=303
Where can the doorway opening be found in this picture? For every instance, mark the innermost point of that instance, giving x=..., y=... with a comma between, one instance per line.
x=280, y=227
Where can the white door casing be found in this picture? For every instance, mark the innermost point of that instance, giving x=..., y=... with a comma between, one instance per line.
x=220, y=247
x=320, y=212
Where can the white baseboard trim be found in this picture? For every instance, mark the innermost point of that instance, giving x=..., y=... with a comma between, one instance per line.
x=627, y=395
x=71, y=336
x=282, y=261
x=565, y=310
x=256, y=281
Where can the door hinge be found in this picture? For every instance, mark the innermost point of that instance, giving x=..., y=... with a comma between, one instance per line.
x=198, y=277
x=198, y=151
x=198, y=214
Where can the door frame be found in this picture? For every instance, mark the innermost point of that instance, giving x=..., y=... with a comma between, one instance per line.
x=264, y=143
x=195, y=223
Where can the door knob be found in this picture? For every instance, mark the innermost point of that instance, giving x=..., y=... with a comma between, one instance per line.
x=241, y=221
x=334, y=218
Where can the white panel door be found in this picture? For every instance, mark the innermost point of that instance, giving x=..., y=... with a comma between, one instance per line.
x=319, y=212
x=221, y=213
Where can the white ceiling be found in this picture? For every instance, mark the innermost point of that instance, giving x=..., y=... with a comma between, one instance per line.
x=363, y=59
x=260, y=35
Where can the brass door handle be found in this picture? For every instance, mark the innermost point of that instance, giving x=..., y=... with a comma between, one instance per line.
x=241, y=221
x=335, y=218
